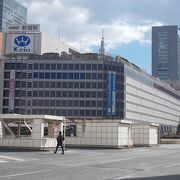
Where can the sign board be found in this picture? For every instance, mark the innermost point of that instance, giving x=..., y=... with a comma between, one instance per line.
x=11, y=90
x=111, y=101
x=25, y=28
x=23, y=43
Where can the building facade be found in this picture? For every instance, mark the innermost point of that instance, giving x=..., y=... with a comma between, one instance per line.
x=87, y=86
x=165, y=57
x=11, y=12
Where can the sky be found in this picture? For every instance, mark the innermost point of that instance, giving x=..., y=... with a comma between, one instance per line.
x=127, y=24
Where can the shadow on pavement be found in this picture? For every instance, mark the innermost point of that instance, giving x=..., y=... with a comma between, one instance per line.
x=169, y=177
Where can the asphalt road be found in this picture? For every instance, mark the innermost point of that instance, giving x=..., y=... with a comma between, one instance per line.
x=157, y=163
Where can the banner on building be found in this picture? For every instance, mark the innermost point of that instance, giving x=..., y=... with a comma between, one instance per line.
x=24, y=28
x=11, y=90
x=111, y=100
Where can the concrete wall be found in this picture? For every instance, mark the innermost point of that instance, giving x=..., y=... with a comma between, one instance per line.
x=144, y=135
x=146, y=104
x=100, y=134
x=51, y=44
x=36, y=140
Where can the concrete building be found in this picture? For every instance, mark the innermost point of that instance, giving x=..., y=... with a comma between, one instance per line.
x=29, y=131
x=87, y=86
x=27, y=39
x=12, y=12
x=165, y=53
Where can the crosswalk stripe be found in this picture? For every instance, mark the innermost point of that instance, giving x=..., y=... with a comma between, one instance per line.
x=11, y=158
x=1, y=161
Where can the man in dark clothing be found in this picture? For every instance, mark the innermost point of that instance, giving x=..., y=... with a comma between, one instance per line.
x=60, y=140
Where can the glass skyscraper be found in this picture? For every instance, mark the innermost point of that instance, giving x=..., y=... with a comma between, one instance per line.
x=11, y=12
x=165, y=52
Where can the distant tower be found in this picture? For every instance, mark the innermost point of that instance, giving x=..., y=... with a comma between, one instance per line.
x=102, y=50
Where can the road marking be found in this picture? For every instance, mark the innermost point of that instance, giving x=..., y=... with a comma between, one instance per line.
x=171, y=165
x=27, y=173
x=11, y=158
x=1, y=161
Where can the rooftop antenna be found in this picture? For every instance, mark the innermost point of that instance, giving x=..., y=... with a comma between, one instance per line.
x=59, y=32
x=102, y=49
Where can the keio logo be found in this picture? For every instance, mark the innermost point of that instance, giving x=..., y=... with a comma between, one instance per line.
x=22, y=41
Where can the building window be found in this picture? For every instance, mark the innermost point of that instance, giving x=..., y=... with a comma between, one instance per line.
x=6, y=84
x=18, y=75
x=59, y=75
x=59, y=66
x=35, y=93
x=94, y=66
x=100, y=67
x=23, y=75
x=34, y=102
x=7, y=66
x=47, y=66
x=46, y=103
x=36, y=66
x=41, y=93
x=6, y=75
x=94, y=85
x=30, y=66
x=24, y=66
x=53, y=93
x=76, y=94
x=88, y=75
x=64, y=85
x=53, y=85
x=29, y=103
x=88, y=66
x=29, y=84
x=81, y=103
x=52, y=103
x=29, y=93
x=53, y=66
x=46, y=93
x=53, y=75
x=82, y=94
x=82, y=84
x=40, y=103
x=65, y=66
x=5, y=102
x=30, y=75
x=76, y=66
x=47, y=75
x=41, y=75
x=47, y=84
x=64, y=94
x=35, y=84
x=76, y=84
x=41, y=67
x=70, y=66
x=82, y=66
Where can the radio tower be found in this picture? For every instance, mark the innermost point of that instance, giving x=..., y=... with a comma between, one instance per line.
x=102, y=50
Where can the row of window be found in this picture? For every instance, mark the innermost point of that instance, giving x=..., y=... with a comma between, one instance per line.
x=48, y=84
x=54, y=75
x=58, y=85
x=57, y=94
x=57, y=103
x=65, y=75
x=66, y=112
x=53, y=66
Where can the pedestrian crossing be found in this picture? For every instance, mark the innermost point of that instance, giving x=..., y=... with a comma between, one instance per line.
x=10, y=159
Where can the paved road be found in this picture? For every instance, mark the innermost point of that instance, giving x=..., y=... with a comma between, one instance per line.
x=155, y=163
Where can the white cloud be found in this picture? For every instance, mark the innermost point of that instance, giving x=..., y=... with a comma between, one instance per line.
x=80, y=24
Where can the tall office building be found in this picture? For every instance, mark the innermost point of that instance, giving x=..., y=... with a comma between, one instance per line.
x=165, y=52
x=11, y=12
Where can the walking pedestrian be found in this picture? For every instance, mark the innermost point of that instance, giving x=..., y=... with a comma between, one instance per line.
x=60, y=140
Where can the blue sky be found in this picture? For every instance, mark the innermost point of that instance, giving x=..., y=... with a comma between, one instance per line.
x=126, y=23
